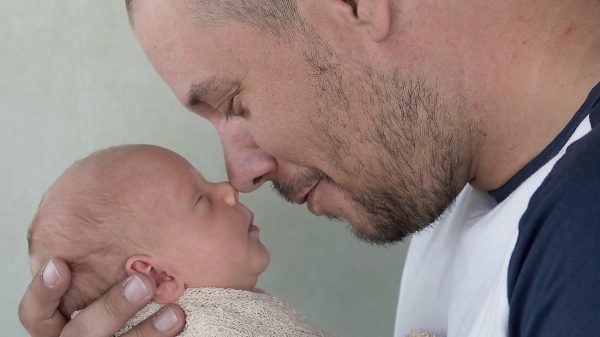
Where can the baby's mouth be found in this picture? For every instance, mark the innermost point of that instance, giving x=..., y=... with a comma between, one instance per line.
x=251, y=226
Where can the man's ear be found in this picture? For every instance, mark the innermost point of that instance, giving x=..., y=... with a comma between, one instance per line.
x=375, y=15
x=168, y=288
x=372, y=15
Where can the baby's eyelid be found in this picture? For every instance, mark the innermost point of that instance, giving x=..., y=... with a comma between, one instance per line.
x=200, y=197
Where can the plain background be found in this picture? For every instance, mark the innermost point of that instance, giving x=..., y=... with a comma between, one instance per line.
x=73, y=80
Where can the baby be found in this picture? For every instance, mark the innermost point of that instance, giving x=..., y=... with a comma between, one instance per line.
x=142, y=208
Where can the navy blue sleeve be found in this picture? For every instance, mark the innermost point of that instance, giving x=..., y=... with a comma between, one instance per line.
x=554, y=272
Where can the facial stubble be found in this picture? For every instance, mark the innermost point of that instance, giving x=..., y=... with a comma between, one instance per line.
x=412, y=169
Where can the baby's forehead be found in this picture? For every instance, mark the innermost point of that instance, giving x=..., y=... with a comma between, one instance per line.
x=195, y=173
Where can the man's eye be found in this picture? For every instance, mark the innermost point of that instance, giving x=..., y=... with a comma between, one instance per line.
x=233, y=109
x=230, y=112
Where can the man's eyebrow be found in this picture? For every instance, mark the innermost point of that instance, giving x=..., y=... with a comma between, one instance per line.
x=199, y=92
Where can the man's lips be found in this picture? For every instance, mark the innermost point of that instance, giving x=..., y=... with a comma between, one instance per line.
x=312, y=199
x=304, y=197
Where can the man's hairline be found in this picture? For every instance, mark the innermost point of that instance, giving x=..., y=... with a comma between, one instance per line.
x=129, y=7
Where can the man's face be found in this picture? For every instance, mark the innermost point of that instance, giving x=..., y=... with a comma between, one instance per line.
x=376, y=147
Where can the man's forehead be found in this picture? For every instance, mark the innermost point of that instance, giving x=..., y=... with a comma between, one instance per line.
x=156, y=12
x=185, y=56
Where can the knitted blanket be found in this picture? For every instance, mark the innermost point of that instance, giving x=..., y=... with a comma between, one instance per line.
x=216, y=312
x=421, y=333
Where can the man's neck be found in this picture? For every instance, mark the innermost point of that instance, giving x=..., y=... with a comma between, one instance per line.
x=536, y=77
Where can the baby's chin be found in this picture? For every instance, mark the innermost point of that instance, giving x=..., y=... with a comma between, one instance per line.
x=264, y=263
x=253, y=280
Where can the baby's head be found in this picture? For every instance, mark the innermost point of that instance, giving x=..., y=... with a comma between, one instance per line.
x=142, y=208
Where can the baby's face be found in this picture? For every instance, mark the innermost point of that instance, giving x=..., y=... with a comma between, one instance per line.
x=205, y=236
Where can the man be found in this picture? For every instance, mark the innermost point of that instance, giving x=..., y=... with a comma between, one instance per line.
x=381, y=112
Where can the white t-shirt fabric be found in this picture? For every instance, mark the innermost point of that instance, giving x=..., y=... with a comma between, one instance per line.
x=462, y=274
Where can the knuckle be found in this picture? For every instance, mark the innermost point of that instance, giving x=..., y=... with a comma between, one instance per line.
x=33, y=326
x=139, y=332
x=111, y=307
x=74, y=329
x=23, y=317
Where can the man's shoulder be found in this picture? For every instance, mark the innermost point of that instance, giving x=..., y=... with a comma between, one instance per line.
x=553, y=274
x=568, y=200
x=574, y=179
x=572, y=187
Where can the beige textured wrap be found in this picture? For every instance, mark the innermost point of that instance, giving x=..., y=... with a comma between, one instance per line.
x=421, y=333
x=216, y=312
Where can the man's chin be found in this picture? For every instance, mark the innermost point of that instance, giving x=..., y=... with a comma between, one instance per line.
x=374, y=229
x=376, y=240
x=334, y=218
x=370, y=234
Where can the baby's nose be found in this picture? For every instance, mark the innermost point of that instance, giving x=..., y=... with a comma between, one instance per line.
x=228, y=193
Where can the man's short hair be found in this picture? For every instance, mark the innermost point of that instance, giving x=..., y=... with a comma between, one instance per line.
x=273, y=16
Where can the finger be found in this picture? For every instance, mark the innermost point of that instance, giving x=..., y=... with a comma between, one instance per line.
x=168, y=322
x=107, y=314
x=38, y=310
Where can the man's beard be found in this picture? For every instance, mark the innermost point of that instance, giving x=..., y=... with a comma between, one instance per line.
x=414, y=169
x=392, y=213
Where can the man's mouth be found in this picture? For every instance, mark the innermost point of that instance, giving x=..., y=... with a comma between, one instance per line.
x=311, y=199
x=306, y=195
x=297, y=188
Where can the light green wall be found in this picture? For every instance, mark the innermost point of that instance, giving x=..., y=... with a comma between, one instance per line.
x=72, y=80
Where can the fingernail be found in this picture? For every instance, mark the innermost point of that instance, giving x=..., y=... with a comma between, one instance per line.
x=50, y=274
x=165, y=320
x=134, y=289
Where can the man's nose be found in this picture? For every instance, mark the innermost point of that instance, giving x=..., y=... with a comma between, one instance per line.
x=248, y=166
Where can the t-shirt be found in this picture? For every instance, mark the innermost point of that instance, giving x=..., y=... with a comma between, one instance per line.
x=523, y=260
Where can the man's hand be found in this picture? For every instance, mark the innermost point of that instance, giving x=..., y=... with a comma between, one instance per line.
x=39, y=313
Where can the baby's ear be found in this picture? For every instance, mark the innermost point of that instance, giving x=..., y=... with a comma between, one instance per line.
x=168, y=287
